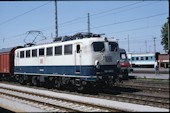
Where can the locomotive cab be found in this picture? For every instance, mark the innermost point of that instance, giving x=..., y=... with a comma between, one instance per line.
x=105, y=56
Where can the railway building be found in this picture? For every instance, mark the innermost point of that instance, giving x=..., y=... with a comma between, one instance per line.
x=163, y=61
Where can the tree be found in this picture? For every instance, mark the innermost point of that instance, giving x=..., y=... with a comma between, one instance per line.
x=164, y=36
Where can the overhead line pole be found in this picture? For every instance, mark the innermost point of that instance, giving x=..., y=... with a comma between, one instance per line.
x=154, y=44
x=168, y=38
x=128, y=43
x=88, y=22
x=56, y=19
x=146, y=45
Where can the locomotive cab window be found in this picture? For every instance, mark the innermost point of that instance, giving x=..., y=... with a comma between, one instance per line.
x=123, y=56
x=113, y=46
x=68, y=49
x=22, y=54
x=41, y=52
x=98, y=46
x=34, y=53
x=58, y=50
x=27, y=53
x=49, y=51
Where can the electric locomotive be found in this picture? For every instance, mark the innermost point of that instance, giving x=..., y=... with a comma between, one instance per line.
x=82, y=60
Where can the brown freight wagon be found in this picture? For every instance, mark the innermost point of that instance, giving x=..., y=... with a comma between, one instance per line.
x=7, y=61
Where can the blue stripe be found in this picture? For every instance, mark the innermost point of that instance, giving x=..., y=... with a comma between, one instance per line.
x=67, y=70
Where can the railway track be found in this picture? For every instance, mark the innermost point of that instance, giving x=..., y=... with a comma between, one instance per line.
x=138, y=98
x=52, y=104
x=149, y=86
x=137, y=95
x=148, y=89
x=159, y=83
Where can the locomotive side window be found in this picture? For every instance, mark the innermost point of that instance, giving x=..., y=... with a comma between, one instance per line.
x=58, y=50
x=49, y=51
x=22, y=54
x=98, y=46
x=78, y=48
x=27, y=53
x=41, y=52
x=137, y=58
x=132, y=58
x=113, y=46
x=146, y=58
x=67, y=49
x=34, y=53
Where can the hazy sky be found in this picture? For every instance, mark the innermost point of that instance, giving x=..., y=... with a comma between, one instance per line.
x=138, y=20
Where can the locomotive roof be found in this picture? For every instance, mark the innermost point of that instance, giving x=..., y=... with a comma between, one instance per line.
x=84, y=40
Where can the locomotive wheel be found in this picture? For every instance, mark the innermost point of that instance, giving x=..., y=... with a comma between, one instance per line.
x=80, y=88
x=57, y=83
x=21, y=80
x=34, y=81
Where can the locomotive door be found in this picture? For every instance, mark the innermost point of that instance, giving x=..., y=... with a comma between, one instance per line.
x=78, y=58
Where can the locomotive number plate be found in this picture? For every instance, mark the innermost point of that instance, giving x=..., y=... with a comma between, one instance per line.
x=108, y=59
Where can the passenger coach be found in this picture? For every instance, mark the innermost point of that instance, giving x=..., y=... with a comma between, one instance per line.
x=79, y=62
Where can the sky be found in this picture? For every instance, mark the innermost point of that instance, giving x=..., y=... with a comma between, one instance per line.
x=133, y=23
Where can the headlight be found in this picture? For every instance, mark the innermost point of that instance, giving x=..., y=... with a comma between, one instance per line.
x=97, y=64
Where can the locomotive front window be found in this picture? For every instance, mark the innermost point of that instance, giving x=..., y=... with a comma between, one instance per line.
x=113, y=46
x=123, y=56
x=98, y=46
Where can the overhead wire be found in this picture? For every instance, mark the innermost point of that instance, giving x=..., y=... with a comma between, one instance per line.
x=136, y=19
x=134, y=29
x=13, y=18
x=84, y=17
x=124, y=10
x=99, y=14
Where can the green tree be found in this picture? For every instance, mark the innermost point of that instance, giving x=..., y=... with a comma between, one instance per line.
x=164, y=36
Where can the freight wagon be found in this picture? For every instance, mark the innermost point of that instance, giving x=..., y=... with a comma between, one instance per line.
x=7, y=62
